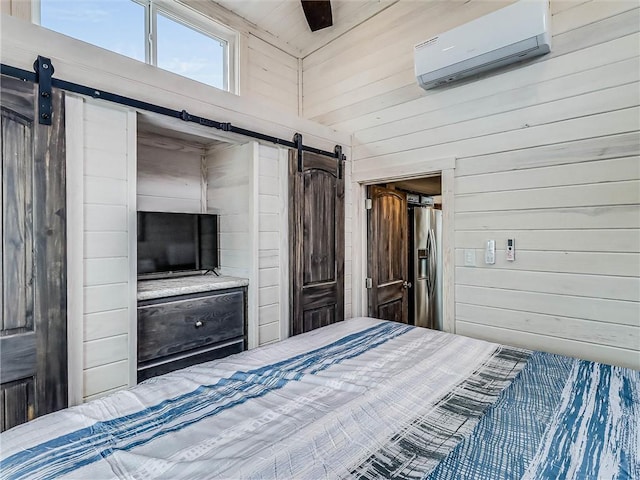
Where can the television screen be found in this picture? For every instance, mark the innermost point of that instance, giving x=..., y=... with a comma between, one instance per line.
x=176, y=242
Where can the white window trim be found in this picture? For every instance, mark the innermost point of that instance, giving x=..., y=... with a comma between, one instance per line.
x=190, y=18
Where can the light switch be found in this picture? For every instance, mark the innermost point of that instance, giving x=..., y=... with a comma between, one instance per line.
x=469, y=257
x=490, y=252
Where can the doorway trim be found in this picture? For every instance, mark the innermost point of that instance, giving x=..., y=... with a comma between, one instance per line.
x=360, y=180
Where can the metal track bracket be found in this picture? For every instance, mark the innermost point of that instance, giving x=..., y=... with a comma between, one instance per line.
x=44, y=71
x=297, y=140
x=340, y=157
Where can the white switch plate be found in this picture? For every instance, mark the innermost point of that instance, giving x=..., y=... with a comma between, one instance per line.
x=490, y=252
x=469, y=257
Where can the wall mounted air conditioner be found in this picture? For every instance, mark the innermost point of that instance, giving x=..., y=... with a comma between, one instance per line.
x=508, y=35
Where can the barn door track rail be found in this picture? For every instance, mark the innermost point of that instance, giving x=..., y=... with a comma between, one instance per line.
x=43, y=76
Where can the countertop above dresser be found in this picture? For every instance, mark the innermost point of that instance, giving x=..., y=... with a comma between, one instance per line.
x=168, y=287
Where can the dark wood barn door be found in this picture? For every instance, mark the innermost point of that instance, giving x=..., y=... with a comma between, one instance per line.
x=388, y=296
x=33, y=337
x=316, y=252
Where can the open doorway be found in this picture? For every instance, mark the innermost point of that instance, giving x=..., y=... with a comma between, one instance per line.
x=385, y=174
x=404, y=251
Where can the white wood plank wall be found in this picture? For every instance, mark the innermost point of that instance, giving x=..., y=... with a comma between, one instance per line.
x=348, y=231
x=269, y=210
x=272, y=75
x=272, y=253
x=170, y=175
x=547, y=153
x=108, y=159
x=228, y=179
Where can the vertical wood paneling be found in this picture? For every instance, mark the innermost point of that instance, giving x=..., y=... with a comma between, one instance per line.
x=315, y=196
x=50, y=255
x=546, y=153
x=17, y=227
x=21, y=9
x=318, y=239
x=18, y=398
x=34, y=276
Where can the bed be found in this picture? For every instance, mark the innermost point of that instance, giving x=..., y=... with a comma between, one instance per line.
x=363, y=399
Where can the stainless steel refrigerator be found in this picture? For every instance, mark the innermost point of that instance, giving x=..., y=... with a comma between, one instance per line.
x=425, y=266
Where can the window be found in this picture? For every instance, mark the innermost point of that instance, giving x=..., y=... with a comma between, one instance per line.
x=157, y=32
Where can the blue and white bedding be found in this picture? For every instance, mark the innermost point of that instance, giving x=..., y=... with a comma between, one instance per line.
x=362, y=398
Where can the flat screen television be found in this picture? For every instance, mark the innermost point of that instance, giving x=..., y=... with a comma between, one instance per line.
x=176, y=243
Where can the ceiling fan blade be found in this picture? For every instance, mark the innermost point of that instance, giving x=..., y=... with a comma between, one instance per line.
x=318, y=13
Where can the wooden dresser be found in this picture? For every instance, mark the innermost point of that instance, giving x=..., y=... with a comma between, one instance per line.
x=189, y=320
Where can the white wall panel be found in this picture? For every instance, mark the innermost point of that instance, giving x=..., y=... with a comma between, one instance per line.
x=546, y=153
x=168, y=179
x=272, y=75
x=588, y=308
x=106, y=244
x=618, y=169
x=228, y=181
x=272, y=254
x=269, y=333
x=109, y=263
x=546, y=342
x=106, y=350
x=103, y=271
x=98, y=163
x=105, y=324
x=608, y=217
x=105, y=379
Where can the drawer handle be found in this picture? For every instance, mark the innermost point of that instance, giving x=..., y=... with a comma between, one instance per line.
x=199, y=324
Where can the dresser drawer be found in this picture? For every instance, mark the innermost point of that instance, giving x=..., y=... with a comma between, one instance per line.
x=178, y=325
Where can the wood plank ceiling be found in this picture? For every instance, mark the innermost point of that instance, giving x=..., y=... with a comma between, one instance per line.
x=284, y=19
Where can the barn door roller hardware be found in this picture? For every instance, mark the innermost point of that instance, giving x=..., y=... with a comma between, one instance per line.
x=297, y=140
x=44, y=71
x=341, y=158
x=43, y=77
x=337, y=153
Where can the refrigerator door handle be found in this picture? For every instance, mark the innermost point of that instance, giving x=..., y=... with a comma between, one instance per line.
x=433, y=255
x=429, y=266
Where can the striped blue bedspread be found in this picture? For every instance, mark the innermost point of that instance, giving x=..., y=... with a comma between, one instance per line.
x=360, y=399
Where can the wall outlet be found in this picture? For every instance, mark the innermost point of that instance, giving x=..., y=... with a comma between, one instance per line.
x=490, y=252
x=469, y=257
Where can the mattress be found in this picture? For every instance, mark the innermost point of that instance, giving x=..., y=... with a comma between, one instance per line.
x=362, y=398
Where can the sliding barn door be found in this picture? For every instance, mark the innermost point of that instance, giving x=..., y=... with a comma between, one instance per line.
x=316, y=224
x=33, y=337
x=387, y=254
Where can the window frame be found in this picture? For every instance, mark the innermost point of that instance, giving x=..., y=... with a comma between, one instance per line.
x=187, y=17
